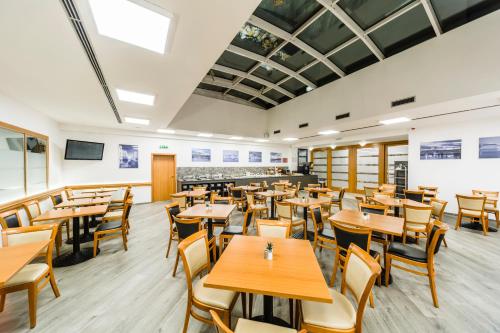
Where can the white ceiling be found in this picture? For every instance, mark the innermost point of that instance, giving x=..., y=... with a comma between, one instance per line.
x=43, y=64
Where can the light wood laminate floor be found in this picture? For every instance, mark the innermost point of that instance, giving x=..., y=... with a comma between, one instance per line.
x=134, y=291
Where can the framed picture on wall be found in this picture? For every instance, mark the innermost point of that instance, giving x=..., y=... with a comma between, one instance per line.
x=129, y=156
x=489, y=147
x=201, y=155
x=275, y=157
x=230, y=156
x=441, y=150
x=254, y=156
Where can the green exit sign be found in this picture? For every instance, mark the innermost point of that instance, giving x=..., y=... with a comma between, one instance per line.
x=163, y=147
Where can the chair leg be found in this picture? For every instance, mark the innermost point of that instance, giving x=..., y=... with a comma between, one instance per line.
x=226, y=319
x=53, y=284
x=186, y=318
x=459, y=221
x=2, y=301
x=404, y=236
x=58, y=242
x=372, y=302
x=169, y=243
x=176, y=263
x=290, y=309
x=485, y=222
x=250, y=305
x=444, y=242
x=32, y=299
x=432, y=282
x=388, y=260
x=244, y=304
x=335, y=266
x=497, y=217
x=67, y=230
x=96, y=243
x=124, y=237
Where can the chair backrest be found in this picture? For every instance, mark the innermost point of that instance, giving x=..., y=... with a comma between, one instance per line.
x=32, y=207
x=273, y=228
x=10, y=219
x=298, y=186
x=313, y=185
x=383, y=195
x=126, y=212
x=247, y=219
x=199, y=188
x=373, y=209
x=118, y=195
x=46, y=205
x=489, y=195
x=195, y=255
x=263, y=184
x=389, y=188
x=360, y=272
x=417, y=215
x=438, y=207
x=436, y=231
x=255, y=184
x=369, y=191
x=187, y=227
x=360, y=199
x=432, y=189
x=57, y=199
x=471, y=202
x=69, y=192
x=291, y=193
x=414, y=195
x=220, y=327
x=316, y=217
x=236, y=193
x=180, y=199
x=280, y=187
x=250, y=199
x=284, y=210
x=345, y=235
x=172, y=210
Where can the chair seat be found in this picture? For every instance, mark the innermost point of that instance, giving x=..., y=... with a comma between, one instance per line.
x=233, y=230
x=28, y=273
x=250, y=326
x=378, y=236
x=218, y=298
x=298, y=235
x=474, y=213
x=490, y=208
x=259, y=207
x=327, y=233
x=113, y=215
x=339, y=315
x=115, y=204
x=407, y=252
x=109, y=226
x=417, y=227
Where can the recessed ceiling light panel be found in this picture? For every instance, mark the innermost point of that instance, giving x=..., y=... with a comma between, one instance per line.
x=131, y=23
x=328, y=132
x=205, y=135
x=134, y=97
x=138, y=121
x=395, y=121
x=165, y=131
x=262, y=140
x=290, y=139
x=235, y=138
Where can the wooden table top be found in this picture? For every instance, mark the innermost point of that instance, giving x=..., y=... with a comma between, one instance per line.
x=294, y=271
x=65, y=213
x=395, y=202
x=317, y=189
x=97, y=190
x=14, y=258
x=488, y=197
x=248, y=188
x=195, y=193
x=385, y=224
x=83, y=202
x=271, y=193
x=216, y=211
x=90, y=195
x=286, y=183
x=301, y=202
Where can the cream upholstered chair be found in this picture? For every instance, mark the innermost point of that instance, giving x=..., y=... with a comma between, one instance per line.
x=249, y=326
x=472, y=207
x=195, y=257
x=438, y=207
x=280, y=187
x=284, y=211
x=429, y=192
x=358, y=277
x=417, y=196
x=256, y=207
x=180, y=199
x=273, y=228
x=490, y=206
x=32, y=277
x=388, y=188
x=369, y=191
x=416, y=220
x=172, y=210
x=118, y=198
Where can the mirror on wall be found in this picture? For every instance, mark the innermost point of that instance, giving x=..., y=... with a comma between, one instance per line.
x=36, y=164
x=12, y=166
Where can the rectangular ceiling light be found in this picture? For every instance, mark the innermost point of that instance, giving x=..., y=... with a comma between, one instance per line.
x=130, y=23
x=134, y=97
x=290, y=139
x=328, y=132
x=235, y=138
x=138, y=121
x=261, y=140
x=205, y=135
x=165, y=131
x=394, y=121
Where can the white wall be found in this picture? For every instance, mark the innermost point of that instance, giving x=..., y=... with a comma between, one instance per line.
x=455, y=176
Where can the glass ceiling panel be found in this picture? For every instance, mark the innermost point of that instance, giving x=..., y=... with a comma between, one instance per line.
x=452, y=14
x=256, y=40
x=262, y=103
x=252, y=84
x=277, y=96
x=294, y=86
x=292, y=57
x=353, y=57
x=407, y=30
x=239, y=94
x=235, y=61
x=221, y=74
x=211, y=87
x=326, y=33
x=368, y=12
x=287, y=15
x=269, y=74
x=319, y=74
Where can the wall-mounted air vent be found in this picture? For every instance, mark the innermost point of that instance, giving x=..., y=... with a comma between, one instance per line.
x=342, y=116
x=303, y=125
x=74, y=18
x=403, y=101
x=277, y=132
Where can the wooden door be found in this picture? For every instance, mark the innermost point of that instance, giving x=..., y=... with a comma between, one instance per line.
x=163, y=176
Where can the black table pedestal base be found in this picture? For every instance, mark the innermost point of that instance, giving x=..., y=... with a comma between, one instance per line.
x=84, y=238
x=71, y=259
x=382, y=277
x=477, y=226
x=268, y=316
x=274, y=321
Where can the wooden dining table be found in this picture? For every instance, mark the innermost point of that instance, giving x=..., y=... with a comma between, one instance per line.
x=209, y=212
x=194, y=194
x=305, y=203
x=316, y=190
x=14, y=258
x=90, y=195
x=271, y=194
x=76, y=214
x=398, y=203
x=83, y=202
x=293, y=272
x=98, y=190
x=248, y=188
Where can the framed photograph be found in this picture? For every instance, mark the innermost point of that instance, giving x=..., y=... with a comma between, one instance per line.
x=255, y=156
x=276, y=158
x=230, y=156
x=201, y=155
x=489, y=147
x=441, y=150
x=129, y=156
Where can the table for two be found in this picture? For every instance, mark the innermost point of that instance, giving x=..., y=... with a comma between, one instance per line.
x=397, y=203
x=209, y=212
x=194, y=194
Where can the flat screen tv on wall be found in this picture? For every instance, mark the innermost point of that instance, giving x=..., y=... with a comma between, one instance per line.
x=83, y=150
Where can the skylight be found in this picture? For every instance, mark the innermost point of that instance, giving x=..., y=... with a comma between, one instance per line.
x=130, y=23
x=134, y=97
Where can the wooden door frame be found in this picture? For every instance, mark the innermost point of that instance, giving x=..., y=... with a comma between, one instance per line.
x=152, y=173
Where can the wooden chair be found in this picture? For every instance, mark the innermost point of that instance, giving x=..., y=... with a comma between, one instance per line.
x=69, y=192
x=284, y=210
x=416, y=220
x=57, y=198
x=340, y=316
x=337, y=202
x=323, y=238
x=180, y=199
x=380, y=210
x=194, y=251
x=256, y=207
x=10, y=219
x=280, y=187
x=473, y=208
x=187, y=227
x=231, y=230
x=369, y=192
x=437, y=214
x=417, y=196
x=238, y=198
x=119, y=198
x=32, y=277
x=345, y=236
x=113, y=228
x=314, y=185
x=173, y=210
x=200, y=199
x=249, y=326
x=417, y=257
x=490, y=206
x=264, y=185
x=217, y=199
x=388, y=188
x=273, y=228
x=431, y=192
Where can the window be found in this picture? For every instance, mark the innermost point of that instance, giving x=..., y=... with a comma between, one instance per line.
x=319, y=159
x=340, y=168
x=367, y=167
